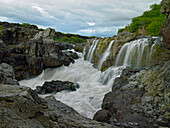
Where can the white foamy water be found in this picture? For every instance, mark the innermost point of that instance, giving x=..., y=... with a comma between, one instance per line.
x=105, y=55
x=93, y=84
x=88, y=98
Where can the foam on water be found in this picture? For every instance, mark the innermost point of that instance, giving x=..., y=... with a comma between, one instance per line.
x=88, y=98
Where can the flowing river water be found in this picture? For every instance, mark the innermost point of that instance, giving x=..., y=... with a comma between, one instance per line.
x=93, y=84
x=88, y=98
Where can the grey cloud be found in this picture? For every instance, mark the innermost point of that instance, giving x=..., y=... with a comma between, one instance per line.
x=74, y=15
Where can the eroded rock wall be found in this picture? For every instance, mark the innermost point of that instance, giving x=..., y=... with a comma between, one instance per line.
x=139, y=98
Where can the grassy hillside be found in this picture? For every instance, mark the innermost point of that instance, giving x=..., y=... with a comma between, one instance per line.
x=149, y=23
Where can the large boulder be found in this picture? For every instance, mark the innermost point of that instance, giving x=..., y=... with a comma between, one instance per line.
x=7, y=75
x=21, y=107
x=165, y=30
x=139, y=98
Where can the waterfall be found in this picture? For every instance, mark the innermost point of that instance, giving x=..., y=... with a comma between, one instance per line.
x=105, y=55
x=91, y=50
x=136, y=54
x=94, y=84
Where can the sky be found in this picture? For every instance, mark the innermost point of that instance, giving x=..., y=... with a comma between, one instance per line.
x=85, y=17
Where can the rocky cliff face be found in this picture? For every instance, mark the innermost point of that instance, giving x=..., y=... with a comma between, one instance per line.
x=30, y=53
x=13, y=33
x=165, y=30
x=139, y=98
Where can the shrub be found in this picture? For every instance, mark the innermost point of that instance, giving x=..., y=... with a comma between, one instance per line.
x=120, y=30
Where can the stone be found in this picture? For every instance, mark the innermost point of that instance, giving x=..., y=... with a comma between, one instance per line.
x=21, y=107
x=102, y=116
x=68, y=117
x=139, y=98
x=7, y=75
x=56, y=86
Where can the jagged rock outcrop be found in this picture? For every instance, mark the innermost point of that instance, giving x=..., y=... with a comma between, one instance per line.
x=165, y=30
x=139, y=98
x=21, y=107
x=14, y=33
x=39, y=52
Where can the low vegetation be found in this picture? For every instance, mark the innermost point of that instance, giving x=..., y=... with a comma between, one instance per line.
x=72, y=39
x=1, y=27
x=149, y=23
x=25, y=24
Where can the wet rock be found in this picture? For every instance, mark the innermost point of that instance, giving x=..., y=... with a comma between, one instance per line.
x=70, y=54
x=56, y=86
x=79, y=47
x=139, y=98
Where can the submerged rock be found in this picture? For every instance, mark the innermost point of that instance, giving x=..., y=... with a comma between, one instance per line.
x=56, y=86
x=21, y=107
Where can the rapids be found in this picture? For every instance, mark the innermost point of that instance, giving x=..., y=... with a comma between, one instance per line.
x=93, y=84
x=88, y=98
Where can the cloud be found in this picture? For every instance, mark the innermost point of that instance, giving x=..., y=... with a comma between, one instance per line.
x=85, y=17
x=41, y=10
x=3, y=18
x=91, y=23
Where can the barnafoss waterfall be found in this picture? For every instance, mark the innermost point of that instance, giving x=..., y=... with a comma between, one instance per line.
x=94, y=84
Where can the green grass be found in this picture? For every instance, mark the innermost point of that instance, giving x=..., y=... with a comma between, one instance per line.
x=1, y=27
x=151, y=20
x=72, y=39
x=25, y=24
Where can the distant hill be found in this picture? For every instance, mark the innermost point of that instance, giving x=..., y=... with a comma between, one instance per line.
x=148, y=24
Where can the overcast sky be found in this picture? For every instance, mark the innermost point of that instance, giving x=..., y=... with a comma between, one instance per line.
x=85, y=17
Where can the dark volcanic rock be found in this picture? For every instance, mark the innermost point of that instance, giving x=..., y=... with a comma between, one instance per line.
x=21, y=107
x=56, y=86
x=139, y=98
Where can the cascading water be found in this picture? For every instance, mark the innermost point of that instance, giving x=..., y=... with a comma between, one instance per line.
x=93, y=84
x=105, y=55
x=91, y=50
x=136, y=54
x=88, y=98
